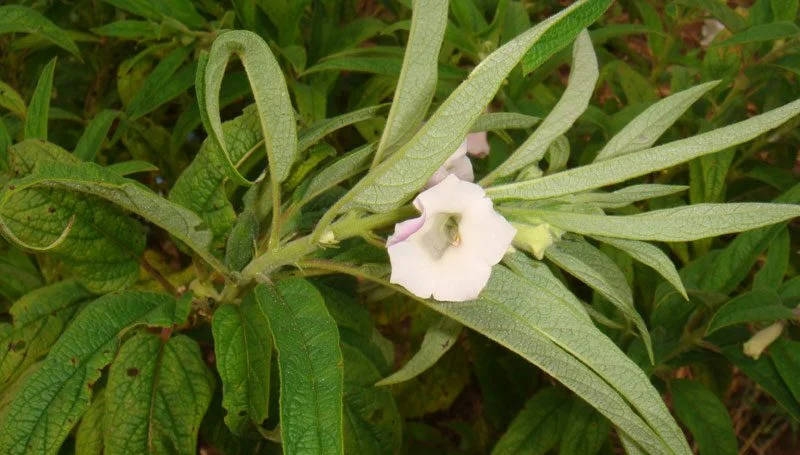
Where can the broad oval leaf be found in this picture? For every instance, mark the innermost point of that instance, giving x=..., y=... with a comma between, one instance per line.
x=758, y=305
x=310, y=365
x=157, y=393
x=243, y=349
x=53, y=398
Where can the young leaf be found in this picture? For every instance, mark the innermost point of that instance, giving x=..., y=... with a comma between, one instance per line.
x=590, y=265
x=310, y=362
x=21, y=19
x=92, y=139
x=650, y=256
x=758, y=305
x=102, y=254
x=146, y=380
x=243, y=348
x=128, y=194
x=51, y=400
x=439, y=338
x=643, y=131
x=39, y=107
x=403, y=173
x=535, y=430
x=626, y=167
x=705, y=416
x=418, y=78
x=678, y=224
x=583, y=77
x=276, y=114
x=39, y=319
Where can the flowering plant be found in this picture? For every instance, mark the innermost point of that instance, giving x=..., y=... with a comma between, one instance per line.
x=259, y=330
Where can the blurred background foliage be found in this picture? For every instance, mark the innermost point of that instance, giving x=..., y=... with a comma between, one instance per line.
x=129, y=66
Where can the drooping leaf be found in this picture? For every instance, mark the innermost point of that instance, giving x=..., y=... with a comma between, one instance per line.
x=92, y=139
x=705, y=416
x=758, y=305
x=590, y=265
x=439, y=338
x=583, y=77
x=643, y=131
x=535, y=430
x=148, y=379
x=243, y=348
x=310, y=362
x=417, y=82
x=678, y=224
x=39, y=107
x=53, y=398
x=21, y=19
x=625, y=167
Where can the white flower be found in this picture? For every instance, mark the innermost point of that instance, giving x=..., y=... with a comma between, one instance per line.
x=710, y=30
x=762, y=339
x=448, y=252
x=459, y=164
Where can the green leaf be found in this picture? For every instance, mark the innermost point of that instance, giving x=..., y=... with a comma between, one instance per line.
x=342, y=169
x=590, y=265
x=39, y=318
x=124, y=168
x=705, y=416
x=52, y=399
x=771, y=274
x=89, y=437
x=786, y=357
x=92, y=139
x=39, y=107
x=417, y=82
x=535, y=430
x=626, y=167
x=762, y=32
x=677, y=224
x=182, y=10
x=243, y=348
x=585, y=430
x=534, y=315
x=643, y=131
x=650, y=256
x=625, y=196
x=93, y=179
x=322, y=128
x=133, y=30
x=559, y=36
x=21, y=19
x=146, y=381
x=18, y=274
x=104, y=250
x=784, y=10
x=583, y=77
x=439, y=338
x=242, y=244
x=758, y=305
x=276, y=115
x=765, y=374
x=717, y=8
x=11, y=100
x=503, y=121
x=310, y=362
x=372, y=423
x=403, y=173
x=163, y=84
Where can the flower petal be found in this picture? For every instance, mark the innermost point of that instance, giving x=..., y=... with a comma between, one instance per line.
x=405, y=229
x=451, y=195
x=477, y=144
x=485, y=232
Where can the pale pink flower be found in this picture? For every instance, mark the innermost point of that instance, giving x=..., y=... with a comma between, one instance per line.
x=448, y=252
x=459, y=164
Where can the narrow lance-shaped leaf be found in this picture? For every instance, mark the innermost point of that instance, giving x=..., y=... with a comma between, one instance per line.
x=146, y=382
x=590, y=265
x=39, y=107
x=52, y=399
x=418, y=78
x=15, y=18
x=92, y=139
x=643, y=131
x=650, y=256
x=582, y=79
x=439, y=338
x=624, y=196
x=705, y=416
x=758, y=305
x=310, y=365
x=626, y=167
x=276, y=114
x=11, y=100
x=243, y=348
x=403, y=173
x=345, y=167
x=678, y=224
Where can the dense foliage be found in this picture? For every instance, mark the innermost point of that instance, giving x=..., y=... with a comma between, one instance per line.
x=197, y=201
